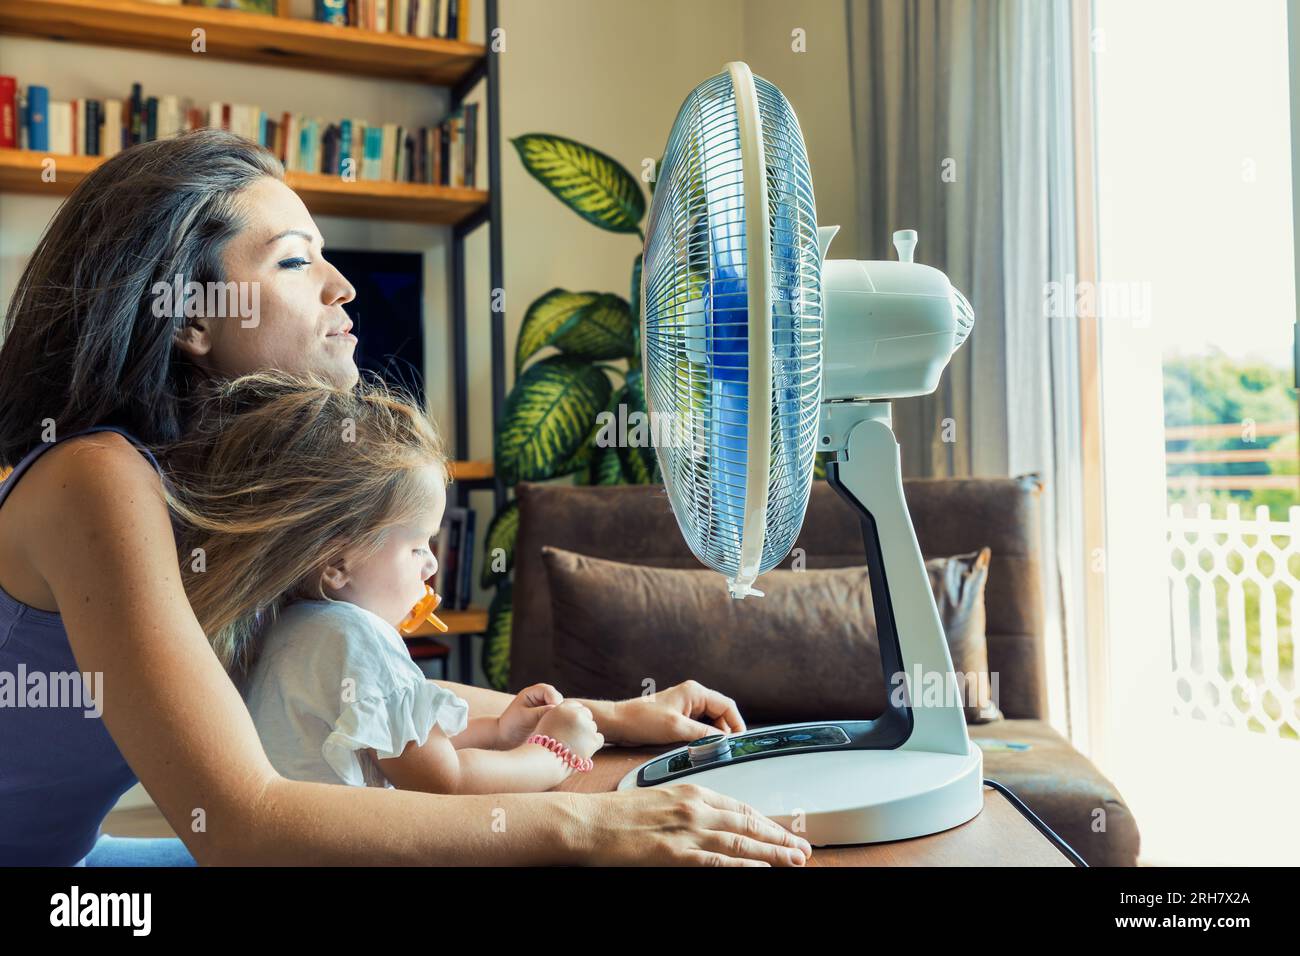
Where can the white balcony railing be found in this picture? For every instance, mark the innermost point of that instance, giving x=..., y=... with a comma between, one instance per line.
x=1235, y=604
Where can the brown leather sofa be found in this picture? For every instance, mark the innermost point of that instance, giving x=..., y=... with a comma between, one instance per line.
x=634, y=525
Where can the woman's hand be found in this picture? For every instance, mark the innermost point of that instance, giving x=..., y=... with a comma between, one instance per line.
x=687, y=825
x=520, y=717
x=670, y=716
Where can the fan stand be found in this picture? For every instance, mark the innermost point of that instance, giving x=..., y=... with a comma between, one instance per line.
x=911, y=771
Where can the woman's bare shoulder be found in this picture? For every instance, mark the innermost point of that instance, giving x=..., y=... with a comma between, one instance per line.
x=98, y=480
x=97, y=460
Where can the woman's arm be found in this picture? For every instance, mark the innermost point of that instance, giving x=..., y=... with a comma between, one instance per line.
x=483, y=701
x=98, y=533
x=182, y=726
x=438, y=767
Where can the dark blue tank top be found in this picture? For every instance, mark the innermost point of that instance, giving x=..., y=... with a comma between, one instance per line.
x=60, y=772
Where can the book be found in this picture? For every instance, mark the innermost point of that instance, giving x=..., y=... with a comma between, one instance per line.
x=388, y=152
x=332, y=11
x=111, y=141
x=330, y=150
x=266, y=7
x=137, y=115
x=424, y=18
x=60, y=127
x=169, y=116
x=78, y=127
x=345, y=145
x=457, y=177
x=471, y=144
x=22, y=118
x=94, y=116
x=374, y=150
x=38, y=118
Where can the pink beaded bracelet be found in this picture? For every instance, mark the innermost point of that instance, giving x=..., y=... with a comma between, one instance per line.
x=580, y=764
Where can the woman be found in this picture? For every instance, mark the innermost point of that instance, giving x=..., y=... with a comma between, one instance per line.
x=94, y=339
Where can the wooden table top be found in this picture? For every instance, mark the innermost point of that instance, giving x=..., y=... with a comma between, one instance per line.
x=999, y=836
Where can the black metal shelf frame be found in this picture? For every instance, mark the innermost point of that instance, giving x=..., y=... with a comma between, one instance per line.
x=488, y=69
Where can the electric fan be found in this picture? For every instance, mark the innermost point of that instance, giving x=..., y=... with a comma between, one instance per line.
x=757, y=353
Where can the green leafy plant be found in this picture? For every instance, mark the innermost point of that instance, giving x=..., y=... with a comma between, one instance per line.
x=566, y=373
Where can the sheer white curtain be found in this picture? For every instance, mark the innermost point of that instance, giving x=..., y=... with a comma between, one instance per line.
x=963, y=130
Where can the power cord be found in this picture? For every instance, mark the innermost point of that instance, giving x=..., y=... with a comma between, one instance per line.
x=1043, y=828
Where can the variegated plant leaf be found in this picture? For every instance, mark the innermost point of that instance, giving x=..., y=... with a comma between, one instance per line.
x=548, y=415
x=595, y=186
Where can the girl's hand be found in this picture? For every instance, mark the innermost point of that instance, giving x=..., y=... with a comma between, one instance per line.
x=674, y=715
x=520, y=717
x=572, y=723
x=686, y=825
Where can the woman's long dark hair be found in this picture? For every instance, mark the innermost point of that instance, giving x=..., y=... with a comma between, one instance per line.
x=81, y=343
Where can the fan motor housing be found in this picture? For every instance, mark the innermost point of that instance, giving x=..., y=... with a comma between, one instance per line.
x=890, y=329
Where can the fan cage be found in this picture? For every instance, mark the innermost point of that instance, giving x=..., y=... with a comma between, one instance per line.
x=696, y=323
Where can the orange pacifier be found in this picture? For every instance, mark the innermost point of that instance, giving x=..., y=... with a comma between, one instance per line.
x=423, y=611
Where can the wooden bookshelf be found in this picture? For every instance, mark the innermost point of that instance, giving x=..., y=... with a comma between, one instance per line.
x=245, y=37
x=20, y=172
x=472, y=620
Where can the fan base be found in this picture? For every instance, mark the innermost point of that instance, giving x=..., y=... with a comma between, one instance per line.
x=837, y=798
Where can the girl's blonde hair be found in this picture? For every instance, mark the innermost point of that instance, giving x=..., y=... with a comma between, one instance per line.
x=276, y=477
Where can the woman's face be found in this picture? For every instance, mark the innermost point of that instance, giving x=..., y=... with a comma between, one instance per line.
x=299, y=325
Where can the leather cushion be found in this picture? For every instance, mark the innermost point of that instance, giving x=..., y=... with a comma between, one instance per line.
x=1062, y=787
x=807, y=650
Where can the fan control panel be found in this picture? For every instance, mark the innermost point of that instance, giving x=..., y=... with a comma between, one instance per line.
x=720, y=748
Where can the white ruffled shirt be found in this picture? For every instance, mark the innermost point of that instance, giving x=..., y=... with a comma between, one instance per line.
x=334, y=680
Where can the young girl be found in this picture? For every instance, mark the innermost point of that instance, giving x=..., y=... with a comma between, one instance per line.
x=304, y=516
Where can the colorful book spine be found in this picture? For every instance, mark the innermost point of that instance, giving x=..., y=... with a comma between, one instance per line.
x=345, y=146
x=94, y=116
x=112, y=141
x=332, y=11
x=38, y=118
x=60, y=127
x=8, y=112
x=374, y=152
x=137, y=114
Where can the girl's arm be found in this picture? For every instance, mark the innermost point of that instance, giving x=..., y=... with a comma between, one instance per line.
x=485, y=702
x=438, y=767
x=182, y=726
